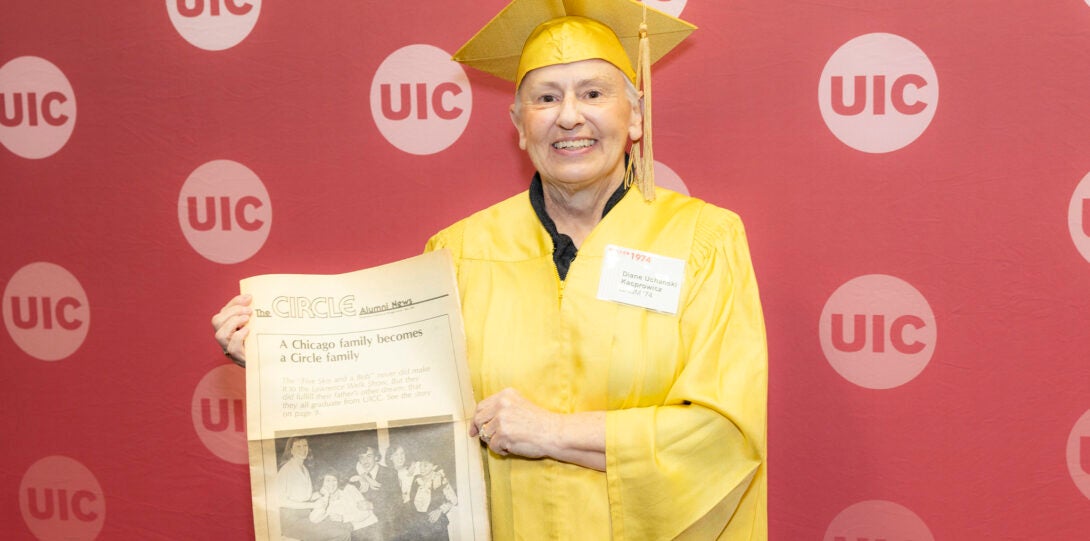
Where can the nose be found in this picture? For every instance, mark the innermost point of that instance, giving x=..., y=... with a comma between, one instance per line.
x=571, y=113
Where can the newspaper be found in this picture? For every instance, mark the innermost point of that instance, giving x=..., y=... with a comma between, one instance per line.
x=358, y=403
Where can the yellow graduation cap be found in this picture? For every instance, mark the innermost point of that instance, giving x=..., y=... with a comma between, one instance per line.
x=531, y=34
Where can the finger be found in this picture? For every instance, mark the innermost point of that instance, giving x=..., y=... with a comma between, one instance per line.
x=484, y=413
x=229, y=327
x=236, y=306
x=480, y=430
x=242, y=299
x=498, y=446
x=486, y=433
x=236, y=346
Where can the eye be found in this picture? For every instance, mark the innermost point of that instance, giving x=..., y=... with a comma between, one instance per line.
x=595, y=94
x=547, y=98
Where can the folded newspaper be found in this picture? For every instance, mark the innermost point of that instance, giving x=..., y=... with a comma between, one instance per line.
x=358, y=403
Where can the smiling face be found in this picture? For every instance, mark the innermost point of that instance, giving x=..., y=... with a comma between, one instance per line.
x=397, y=458
x=329, y=484
x=575, y=122
x=367, y=459
x=426, y=467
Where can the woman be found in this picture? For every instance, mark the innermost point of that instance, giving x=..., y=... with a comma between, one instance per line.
x=405, y=471
x=345, y=507
x=431, y=498
x=297, y=498
x=604, y=419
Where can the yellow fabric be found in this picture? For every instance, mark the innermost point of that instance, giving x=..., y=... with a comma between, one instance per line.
x=570, y=39
x=685, y=395
x=498, y=46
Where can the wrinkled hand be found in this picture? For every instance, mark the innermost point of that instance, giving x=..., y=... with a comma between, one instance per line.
x=434, y=515
x=511, y=424
x=230, y=327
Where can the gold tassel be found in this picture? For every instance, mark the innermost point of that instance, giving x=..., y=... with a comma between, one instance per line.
x=641, y=160
x=643, y=154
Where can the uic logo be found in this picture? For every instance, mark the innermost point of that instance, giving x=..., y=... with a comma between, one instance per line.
x=420, y=99
x=37, y=107
x=1078, y=217
x=57, y=503
x=224, y=211
x=424, y=104
x=46, y=311
x=877, y=520
x=62, y=314
x=877, y=331
x=1078, y=454
x=230, y=213
x=198, y=7
x=60, y=499
x=226, y=414
x=876, y=339
x=878, y=93
x=214, y=25
x=219, y=413
x=12, y=109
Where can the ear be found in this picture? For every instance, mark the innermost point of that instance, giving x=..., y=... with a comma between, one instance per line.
x=518, y=125
x=635, y=125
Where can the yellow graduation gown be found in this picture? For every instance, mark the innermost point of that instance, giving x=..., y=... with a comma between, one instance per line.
x=684, y=395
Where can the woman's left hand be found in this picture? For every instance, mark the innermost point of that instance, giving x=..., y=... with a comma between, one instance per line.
x=510, y=424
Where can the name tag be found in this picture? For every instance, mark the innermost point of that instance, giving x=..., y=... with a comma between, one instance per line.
x=641, y=279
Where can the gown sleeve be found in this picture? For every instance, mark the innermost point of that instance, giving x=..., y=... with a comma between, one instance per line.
x=694, y=466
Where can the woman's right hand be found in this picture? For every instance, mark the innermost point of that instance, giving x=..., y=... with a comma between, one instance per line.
x=230, y=326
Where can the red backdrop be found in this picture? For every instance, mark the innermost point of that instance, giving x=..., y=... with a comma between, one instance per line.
x=914, y=176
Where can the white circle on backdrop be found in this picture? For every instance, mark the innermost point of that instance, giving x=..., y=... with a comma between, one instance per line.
x=877, y=331
x=225, y=211
x=214, y=25
x=37, y=107
x=669, y=179
x=420, y=99
x=877, y=519
x=1078, y=454
x=219, y=413
x=46, y=311
x=1078, y=217
x=672, y=7
x=61, y=500
x=878, y=93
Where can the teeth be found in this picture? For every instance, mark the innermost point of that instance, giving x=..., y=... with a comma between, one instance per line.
x=581, y=143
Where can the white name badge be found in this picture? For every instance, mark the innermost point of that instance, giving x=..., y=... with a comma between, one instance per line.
x=641, y=279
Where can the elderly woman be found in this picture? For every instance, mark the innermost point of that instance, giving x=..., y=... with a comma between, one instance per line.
x=640, y=419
